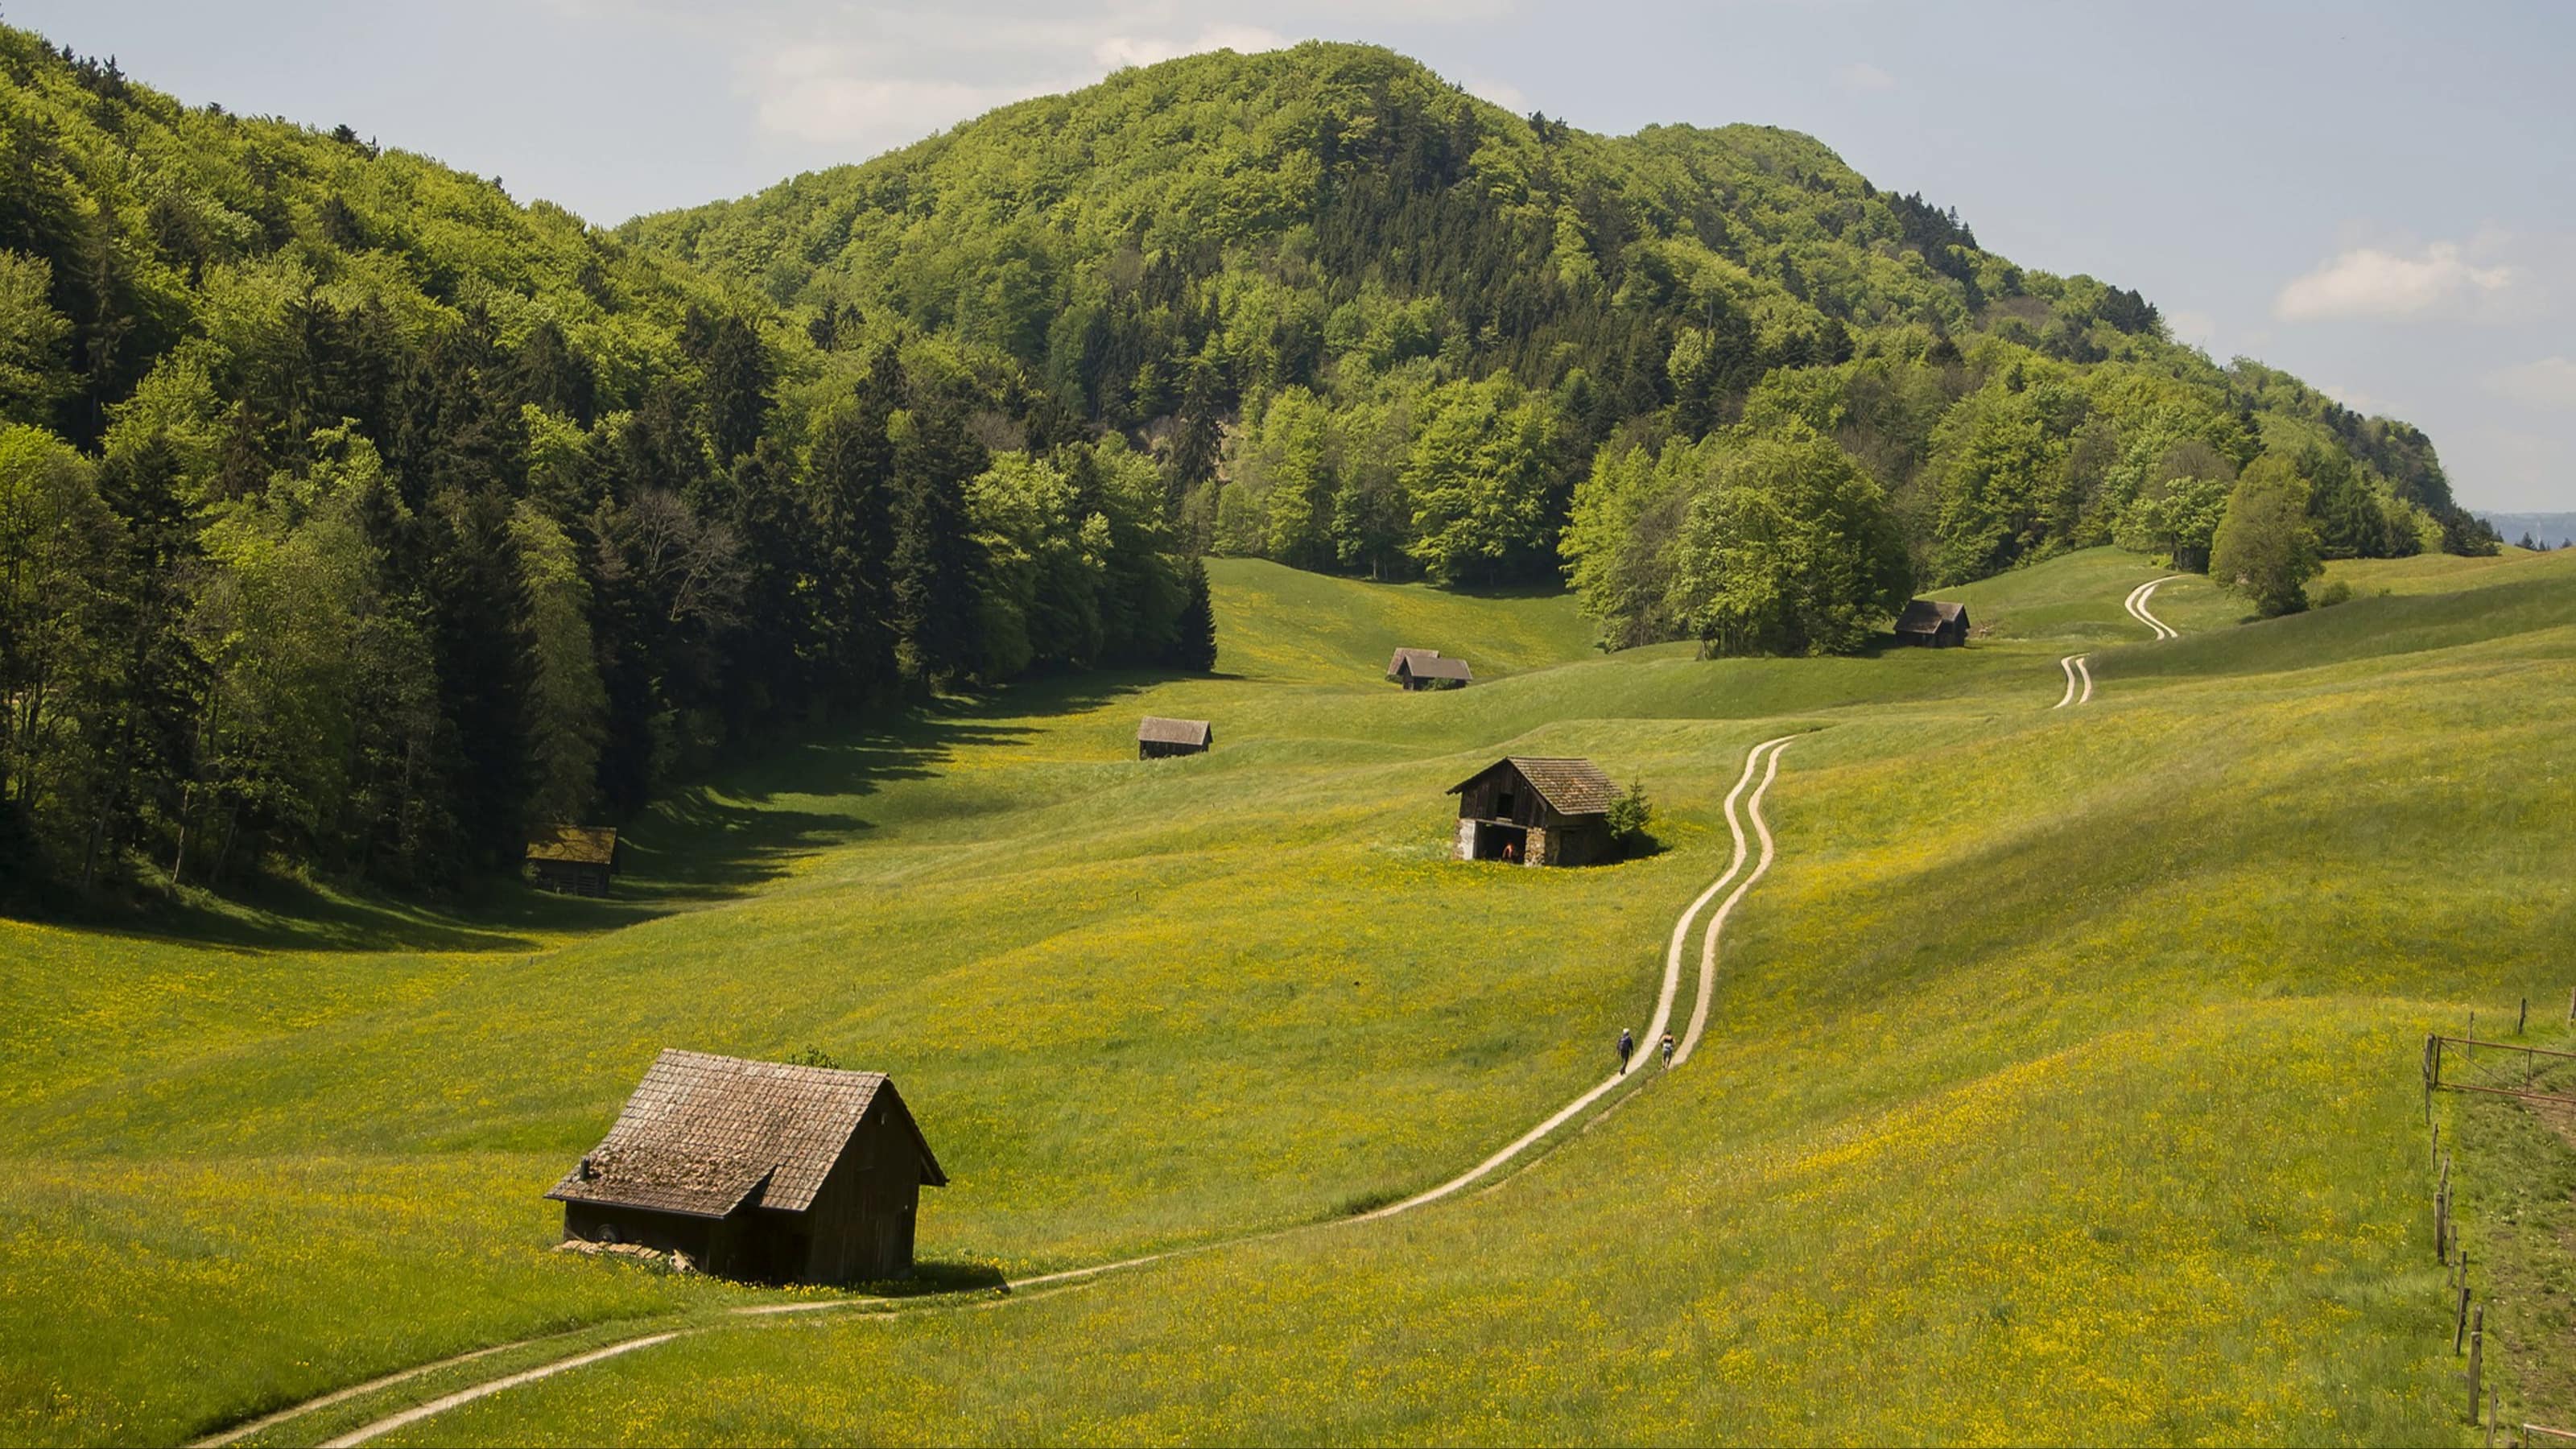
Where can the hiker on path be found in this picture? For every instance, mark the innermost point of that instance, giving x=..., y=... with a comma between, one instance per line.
x=1668, y=1049
x=1627, y=1049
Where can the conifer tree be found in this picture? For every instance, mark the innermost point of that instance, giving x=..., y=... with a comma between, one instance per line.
x=1194, y=632
x=850, y=474
x=933, y=565
x=480, y=633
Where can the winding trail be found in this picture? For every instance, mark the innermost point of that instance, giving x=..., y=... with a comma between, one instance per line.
x=1763, y=758
x=1717, y=922
x=2137, y=606
x=2073, y=664
x=1655, y=1027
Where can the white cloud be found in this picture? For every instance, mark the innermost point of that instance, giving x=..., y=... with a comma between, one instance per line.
x=810, y=92
x=2199, y=329
x=2357, y=400
x=1860, y=75
x=916, y=74
x=2547, y=383
x=1501, y=93
x=1125, y=50
x=2369, y=282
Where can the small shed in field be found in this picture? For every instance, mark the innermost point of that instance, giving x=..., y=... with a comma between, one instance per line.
x=1428, y=669
x=1933, y=624
x=758, y=1170
x=1535, y=811
x=1158, y=737
x=574, y=859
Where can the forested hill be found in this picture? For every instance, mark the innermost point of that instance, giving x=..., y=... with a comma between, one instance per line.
x=355, y=517
x=1370, y=322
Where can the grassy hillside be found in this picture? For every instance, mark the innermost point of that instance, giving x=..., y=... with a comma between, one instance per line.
x=2063, y=1089
x=2066, y=1052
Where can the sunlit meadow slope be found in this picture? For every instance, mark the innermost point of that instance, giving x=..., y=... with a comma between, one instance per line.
x=2061, y=1086
x=2056, y=1084
x=274, y=1151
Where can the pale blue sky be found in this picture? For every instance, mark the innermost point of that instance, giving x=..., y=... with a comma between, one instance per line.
x=2381, y=199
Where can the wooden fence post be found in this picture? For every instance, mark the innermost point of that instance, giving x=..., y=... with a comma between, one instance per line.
x=2477, y=1359
x=2460, y=1329
x=2524, y=1019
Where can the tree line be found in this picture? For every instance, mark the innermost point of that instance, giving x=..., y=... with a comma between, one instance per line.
x=355, y=520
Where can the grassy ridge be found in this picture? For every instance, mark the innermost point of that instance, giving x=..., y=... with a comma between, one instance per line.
x=2016, y=1075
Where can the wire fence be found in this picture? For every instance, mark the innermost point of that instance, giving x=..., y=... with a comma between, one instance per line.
x=2514, y=1069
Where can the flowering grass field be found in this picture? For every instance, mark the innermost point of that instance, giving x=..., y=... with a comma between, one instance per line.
x=2059, y=1085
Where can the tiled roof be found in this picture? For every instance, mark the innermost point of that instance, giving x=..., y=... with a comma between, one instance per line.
x=704, y=1134
x=1163, y=731
x=1570, y=787
x=581, y=844
x=1442, y=667
x=1923, y=616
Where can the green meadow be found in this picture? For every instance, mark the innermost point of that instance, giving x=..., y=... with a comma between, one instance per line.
x=2060, y=1081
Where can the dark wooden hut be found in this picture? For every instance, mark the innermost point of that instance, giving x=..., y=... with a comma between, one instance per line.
x=1535, y=811
x=574, y=859
x=758, y=1170
x=1933, y=624
x=1428, y=669
x=1158, y=738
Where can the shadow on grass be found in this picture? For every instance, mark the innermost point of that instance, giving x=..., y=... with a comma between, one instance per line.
x=935, y=1277
x=709, y=841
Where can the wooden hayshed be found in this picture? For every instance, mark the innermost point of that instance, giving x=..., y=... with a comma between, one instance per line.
x=1933, y=624
x=1428, y=669
x=574, y=859
x=1535, y=811
x=1159, y=738
x=758, y=1170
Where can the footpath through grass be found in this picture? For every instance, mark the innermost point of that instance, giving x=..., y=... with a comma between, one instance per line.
x=2058, y=1084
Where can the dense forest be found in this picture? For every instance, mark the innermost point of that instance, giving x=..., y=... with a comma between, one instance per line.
x=1367, y=322
x=355, y=518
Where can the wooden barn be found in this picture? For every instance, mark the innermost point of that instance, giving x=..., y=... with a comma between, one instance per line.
x=1159, y=738
x=1428, y=669
x=1535, y=812
x=1933, y=624
x=574, y=859
x=758, y=1170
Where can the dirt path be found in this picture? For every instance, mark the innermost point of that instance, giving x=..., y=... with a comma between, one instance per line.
x=2073, y=664
x=465, y=1396
x=2137, y=606
x=1762, y=867
x=1764, y=757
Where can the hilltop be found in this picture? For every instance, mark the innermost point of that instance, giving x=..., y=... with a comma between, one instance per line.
x=1286, y=270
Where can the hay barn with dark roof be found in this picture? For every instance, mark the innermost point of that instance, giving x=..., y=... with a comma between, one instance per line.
x=1159, y=738
x=574, y=859
x=758, y=1170
x=1428, y=669
x=1933, y=624
x=1535, y=811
